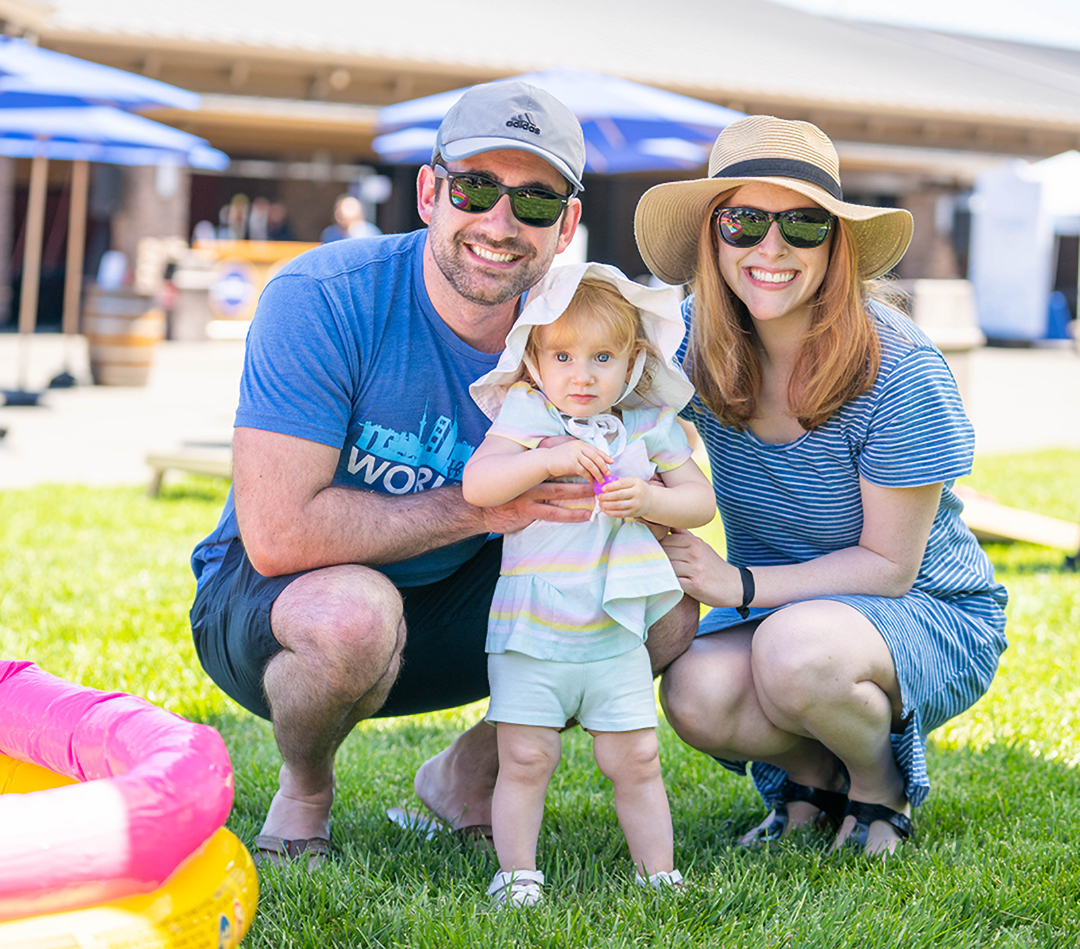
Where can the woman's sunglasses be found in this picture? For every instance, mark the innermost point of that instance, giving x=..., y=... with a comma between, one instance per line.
x=800, y=227
x=476, y=194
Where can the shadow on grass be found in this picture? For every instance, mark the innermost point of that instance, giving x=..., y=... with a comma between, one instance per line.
x=975, y=793
x=992, y=862
x=990, y=866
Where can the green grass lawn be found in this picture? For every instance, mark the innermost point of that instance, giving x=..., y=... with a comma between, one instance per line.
x=96, y=589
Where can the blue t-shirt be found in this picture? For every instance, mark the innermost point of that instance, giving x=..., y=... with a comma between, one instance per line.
x=347, y=350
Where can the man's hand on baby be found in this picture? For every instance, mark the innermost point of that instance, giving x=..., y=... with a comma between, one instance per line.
x=539, y=503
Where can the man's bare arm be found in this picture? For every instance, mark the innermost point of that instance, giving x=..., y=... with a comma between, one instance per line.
x=292, y=518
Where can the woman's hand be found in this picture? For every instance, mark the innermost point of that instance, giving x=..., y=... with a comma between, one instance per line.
x=702, y=572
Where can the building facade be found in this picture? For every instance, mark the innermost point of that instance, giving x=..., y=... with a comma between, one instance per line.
x=291, y=93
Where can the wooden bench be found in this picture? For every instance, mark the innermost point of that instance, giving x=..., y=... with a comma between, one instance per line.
x=214, y=460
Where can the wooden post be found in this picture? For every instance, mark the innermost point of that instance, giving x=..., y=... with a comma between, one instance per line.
x=31, y=274
x=76, y=248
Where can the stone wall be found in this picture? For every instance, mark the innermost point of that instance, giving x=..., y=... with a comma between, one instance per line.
x=931, y=254
x=155, y=203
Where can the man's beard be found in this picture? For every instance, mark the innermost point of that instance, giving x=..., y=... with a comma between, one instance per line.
x=487, y=288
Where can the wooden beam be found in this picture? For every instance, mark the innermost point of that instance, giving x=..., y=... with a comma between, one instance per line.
x=80, y=186
x=35, y=230
x=993, y=522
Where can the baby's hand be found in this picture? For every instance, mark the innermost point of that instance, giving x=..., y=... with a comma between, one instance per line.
x=576, y=457
x=627, y=497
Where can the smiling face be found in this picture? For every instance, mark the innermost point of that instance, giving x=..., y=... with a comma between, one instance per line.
x=583, y=369
x=492, y=258
x=773, y=278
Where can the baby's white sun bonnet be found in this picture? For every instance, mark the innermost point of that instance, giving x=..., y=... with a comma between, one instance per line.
x=548, y=300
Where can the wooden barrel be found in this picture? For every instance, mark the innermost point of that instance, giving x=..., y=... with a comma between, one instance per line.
x=122, y=330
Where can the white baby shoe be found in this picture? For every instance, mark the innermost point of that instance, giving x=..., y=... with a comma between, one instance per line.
x=517, y=887
x=662, y=880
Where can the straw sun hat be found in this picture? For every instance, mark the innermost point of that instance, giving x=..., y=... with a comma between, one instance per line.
x=761, y=148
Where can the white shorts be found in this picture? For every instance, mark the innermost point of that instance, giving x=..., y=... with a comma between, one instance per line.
x=608, y=695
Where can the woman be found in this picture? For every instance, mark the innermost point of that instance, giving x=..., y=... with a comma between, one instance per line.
x=855, y=611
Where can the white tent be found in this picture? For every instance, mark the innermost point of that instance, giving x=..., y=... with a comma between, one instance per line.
x=1019, y=212
x=1060, y=180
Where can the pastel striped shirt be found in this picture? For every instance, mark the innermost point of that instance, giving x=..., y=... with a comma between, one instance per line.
x=584, y=591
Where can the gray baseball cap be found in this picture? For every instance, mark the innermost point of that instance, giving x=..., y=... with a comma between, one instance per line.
x=515, y=115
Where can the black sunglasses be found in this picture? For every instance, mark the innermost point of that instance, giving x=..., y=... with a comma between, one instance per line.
x=800, y=227
x=476, y=194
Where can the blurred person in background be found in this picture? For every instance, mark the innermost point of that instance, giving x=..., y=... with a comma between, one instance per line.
x=349, y=221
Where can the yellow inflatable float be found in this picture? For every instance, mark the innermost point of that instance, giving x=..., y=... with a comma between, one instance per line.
x=112, y=812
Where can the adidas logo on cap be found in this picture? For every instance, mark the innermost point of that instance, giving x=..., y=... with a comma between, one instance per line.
x=523, y=121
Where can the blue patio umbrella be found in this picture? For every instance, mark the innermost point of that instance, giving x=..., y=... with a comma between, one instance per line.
x=628, y=126
x=32, y=77
x=104, y=134
x=81, y=135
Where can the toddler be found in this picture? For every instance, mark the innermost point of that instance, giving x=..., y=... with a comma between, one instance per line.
x=591, y=357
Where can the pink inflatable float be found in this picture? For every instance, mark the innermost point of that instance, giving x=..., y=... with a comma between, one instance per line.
x=152, y=792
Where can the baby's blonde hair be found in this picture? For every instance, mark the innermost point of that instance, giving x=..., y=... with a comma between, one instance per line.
x=597, y=305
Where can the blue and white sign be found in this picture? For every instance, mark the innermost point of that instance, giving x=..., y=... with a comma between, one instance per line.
x=234, y=292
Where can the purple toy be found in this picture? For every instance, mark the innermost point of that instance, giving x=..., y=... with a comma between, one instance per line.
x=598, y=486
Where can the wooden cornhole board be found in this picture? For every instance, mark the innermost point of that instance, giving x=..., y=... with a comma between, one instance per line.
x=995, y=522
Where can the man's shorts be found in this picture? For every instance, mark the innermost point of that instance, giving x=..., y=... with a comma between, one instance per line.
x=606, y=695
x=444, y=664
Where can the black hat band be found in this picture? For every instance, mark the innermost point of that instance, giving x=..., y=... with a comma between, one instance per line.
x=783, y=168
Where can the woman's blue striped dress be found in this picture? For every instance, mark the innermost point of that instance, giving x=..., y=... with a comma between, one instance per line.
x=793, y=502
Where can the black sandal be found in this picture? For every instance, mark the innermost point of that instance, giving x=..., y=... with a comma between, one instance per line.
x=832, y=805
x=865, y=814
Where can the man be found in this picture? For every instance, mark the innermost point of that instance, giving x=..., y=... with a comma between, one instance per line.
x=363, y=581
x=349, y=221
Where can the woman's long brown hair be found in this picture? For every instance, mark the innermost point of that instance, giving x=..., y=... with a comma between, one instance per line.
x=840, y=356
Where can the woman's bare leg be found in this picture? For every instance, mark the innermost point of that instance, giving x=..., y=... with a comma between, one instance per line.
x=727, y=720
x=824, y=672
x=814, y=684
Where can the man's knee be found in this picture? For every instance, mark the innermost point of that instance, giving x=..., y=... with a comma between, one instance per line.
x=671, y=635
x=347, y=618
